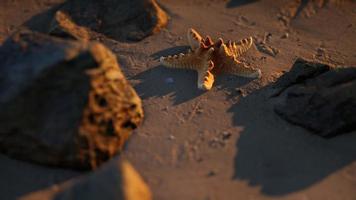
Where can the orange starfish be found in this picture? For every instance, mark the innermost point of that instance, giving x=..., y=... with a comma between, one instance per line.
x=209, y=59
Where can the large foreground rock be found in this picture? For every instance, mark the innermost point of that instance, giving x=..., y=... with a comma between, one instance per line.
x=318, y=97
x=63, y=103
x=117, y=180
x=117, y=19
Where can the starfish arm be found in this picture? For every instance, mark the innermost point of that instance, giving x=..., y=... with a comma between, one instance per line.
x=208, y=41
x=205, y=77
x=241, y=46
x=233, y=66
x=194, y=38
x=192, y=60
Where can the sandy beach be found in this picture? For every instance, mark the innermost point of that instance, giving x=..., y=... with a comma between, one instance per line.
x=226, y=143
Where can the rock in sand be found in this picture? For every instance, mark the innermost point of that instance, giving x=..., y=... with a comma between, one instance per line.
x=63, y=102
x=318, y=97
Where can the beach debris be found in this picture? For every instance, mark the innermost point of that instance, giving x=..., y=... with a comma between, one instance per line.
x=210, y=58
x=265, y=48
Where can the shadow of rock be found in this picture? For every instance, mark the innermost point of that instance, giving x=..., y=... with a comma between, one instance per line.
x=279, y=157
x=117, y=179
x=235, y=86
x=237, y=3
x=21, y=178
x=41, y=22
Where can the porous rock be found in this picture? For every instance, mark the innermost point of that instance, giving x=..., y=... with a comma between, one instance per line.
x=62, y=102
x=319, y=97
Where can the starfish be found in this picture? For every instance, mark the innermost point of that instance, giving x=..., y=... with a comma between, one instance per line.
x=210, y=58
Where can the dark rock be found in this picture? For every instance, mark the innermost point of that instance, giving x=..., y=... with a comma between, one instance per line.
x=118, y=19
x=62, y=102
x=117, y=180
x=318, y=97
x=301, y=71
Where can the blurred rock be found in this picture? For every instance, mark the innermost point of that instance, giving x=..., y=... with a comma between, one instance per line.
x=285, y=36
x=62, y=102
x=318, y=97
x=120, y=20
x=117, y=180
x=301, y=71
x=63, y=26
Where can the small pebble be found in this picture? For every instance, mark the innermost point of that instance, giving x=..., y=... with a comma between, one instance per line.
x=267, y=37
x=171, y=137
x=211, y=173
x=285, y=36
x=226, y=135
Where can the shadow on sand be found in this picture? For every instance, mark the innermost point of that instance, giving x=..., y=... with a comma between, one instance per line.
x=22, y=178
x=282, y=158
x=237, y=3
x=40, y=22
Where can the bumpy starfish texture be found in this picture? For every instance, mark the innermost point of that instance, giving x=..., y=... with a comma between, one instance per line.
x=209, y=59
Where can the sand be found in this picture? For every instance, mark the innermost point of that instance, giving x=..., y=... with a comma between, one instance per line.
x=220, y=145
